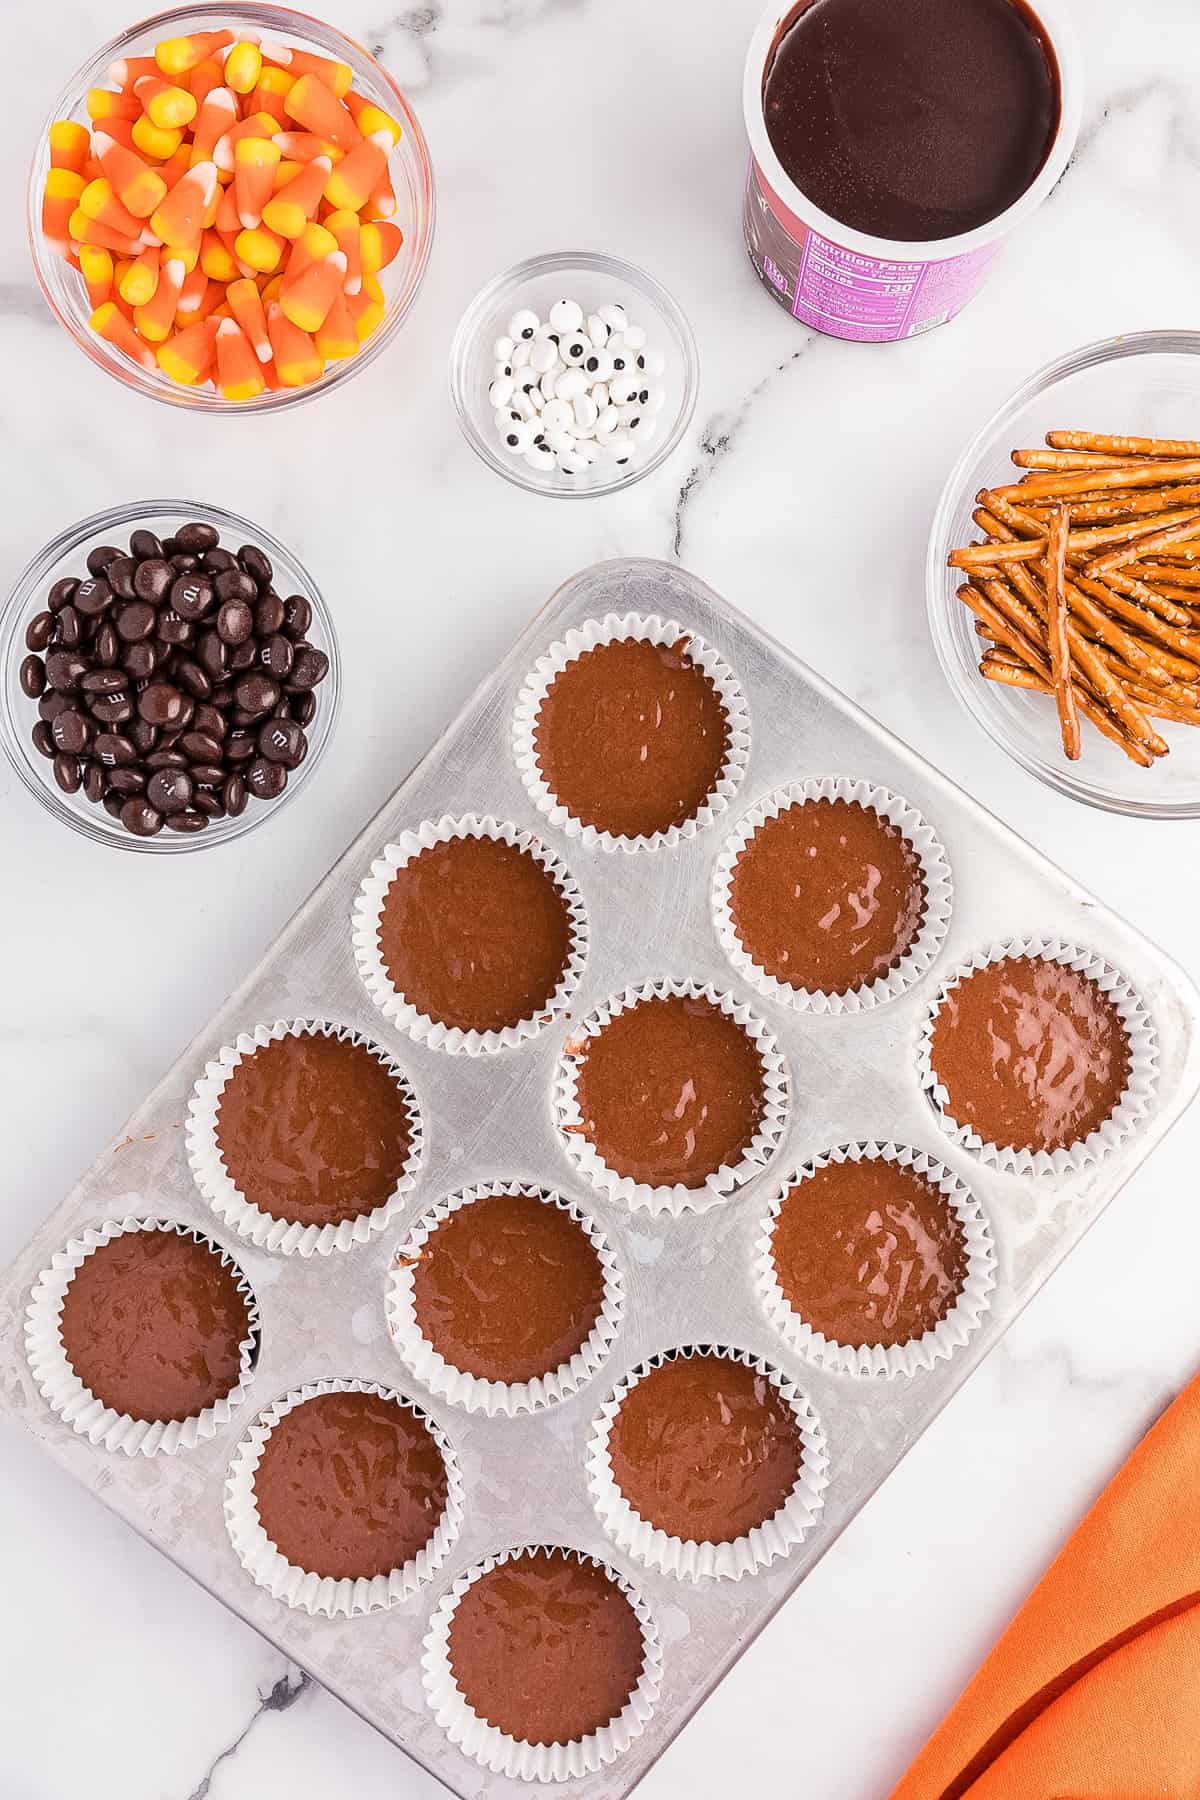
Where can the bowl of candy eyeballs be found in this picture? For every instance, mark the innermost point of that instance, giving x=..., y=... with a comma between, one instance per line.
x=574, y=374
x=231, y=207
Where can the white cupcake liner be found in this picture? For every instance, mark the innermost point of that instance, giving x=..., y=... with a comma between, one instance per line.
x=368, y=909
x=1139, y=1089
x=516, y=1757
x=75, y=1404
x=221, y=1191
x=330, y=1596
x=474, y=1392
x=935, y=1345
x=611, y=628
x=675, y=1199
x=688, y=1558
x=935, y=918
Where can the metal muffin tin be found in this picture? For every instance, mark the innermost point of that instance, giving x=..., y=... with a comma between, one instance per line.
x=689, y=1279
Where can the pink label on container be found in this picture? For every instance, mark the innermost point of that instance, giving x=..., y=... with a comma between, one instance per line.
x=845, y=293
x=865, y=298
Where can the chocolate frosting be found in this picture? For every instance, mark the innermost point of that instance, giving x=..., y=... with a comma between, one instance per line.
x=350, y=1485
x=545, y=1647
x=705, y=1448
x=313, y=1129
x=153, y=1324
x=631, y=737
x=912, y=119
x=827, y=895
x=475, y=934
x=1031, y=1053
x=508, y=1287
x=670, y=1090
x=869, y=1252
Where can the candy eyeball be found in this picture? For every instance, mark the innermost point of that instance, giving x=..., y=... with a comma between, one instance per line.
x=523, y=324
x=574, y=348
x=566, y=315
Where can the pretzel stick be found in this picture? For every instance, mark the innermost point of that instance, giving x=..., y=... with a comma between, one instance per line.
x=1094, y=511
x=1056, y=632
x=1161, y=540
x=1062, y=487
x=1122, y=446
x=1157, y=571
x=1066, y=461
x=1185, y=644
x=974, y=556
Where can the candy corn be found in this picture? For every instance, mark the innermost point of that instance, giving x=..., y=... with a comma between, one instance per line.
x=137, y=186
x=357, y=176
x=228, y=207
x=290, y=210
x=110, y=323
x=239, y=372
x=255, y=161
x=69, y=144
x=96, y=267
x=296, y=358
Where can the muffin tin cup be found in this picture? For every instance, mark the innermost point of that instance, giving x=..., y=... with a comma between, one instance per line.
x=75, y=1404
x=935, y=919
x=675, y=1199
x=1134, y=1103
x=610, y=629
x=216, y=1184
x=368, y=912
x=941, y=1340
x=515, y=1757
x=476, y=1393
x=688, y=1558
x=329, y=1596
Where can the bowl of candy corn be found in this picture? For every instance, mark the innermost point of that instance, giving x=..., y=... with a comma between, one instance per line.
x=231, y=208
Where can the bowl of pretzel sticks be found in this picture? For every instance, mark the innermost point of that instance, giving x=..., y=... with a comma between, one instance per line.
x=1064, y=575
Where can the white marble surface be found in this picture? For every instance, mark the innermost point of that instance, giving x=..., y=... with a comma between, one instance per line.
x=803, y=493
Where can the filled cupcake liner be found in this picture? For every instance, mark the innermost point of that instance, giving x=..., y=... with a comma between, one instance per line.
x=331, y=1596
x=222, y=1193
x=516, y=1757
x=935, y=872
x=476, y=1393
x=934, y=1345
x=675, y=1199
x=688, y=1558
x=368, y=911
x=1139, y=1089
x=76, y=1404
x=610, y=629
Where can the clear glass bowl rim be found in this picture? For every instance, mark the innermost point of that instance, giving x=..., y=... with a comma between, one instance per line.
x=12, y=644
x=966, y=683
x=619, y=271
x=264, y=17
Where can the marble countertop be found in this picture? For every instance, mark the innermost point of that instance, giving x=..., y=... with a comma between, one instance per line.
x=803, y=493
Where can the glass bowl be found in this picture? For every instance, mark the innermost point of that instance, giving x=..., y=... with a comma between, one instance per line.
x=412, y=177
x=593, y=280
x=1146, y=384
x=66, y=556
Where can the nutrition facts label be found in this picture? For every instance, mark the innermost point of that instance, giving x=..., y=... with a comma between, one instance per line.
x=866, y=298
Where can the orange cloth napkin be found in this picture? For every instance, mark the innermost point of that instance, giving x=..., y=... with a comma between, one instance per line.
x=1093, y=1692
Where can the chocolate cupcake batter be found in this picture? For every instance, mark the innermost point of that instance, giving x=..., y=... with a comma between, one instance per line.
x=912, y=119
x=313, y=1129
x=1032, y=1054
x=507, y=1288
x=546, y=1648
x=670, y=1090
x=828, y=895
x=632, y=737
x=475, y=934
x=869, y=1252
x=705, y=1448
x=153, y=1324
x=350, y=1485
